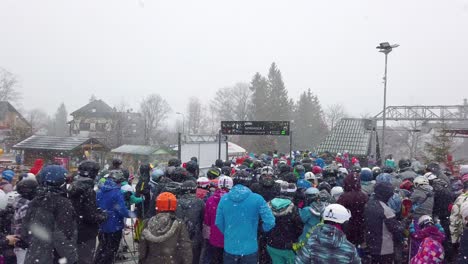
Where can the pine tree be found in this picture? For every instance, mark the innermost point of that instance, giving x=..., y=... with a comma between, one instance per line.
x=60, y=124
x=440, y=145
x=259, y=88
x=309, y=127
x=278, y=101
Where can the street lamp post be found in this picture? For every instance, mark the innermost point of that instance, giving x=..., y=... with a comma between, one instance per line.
x=183, y=122
x=385, y=48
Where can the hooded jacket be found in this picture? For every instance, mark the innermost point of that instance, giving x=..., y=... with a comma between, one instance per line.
x=456, y=219
x=423, y=201
x=288, y=224
x=50, y=223
x=191, y=211
x=430, y=250
x=355, y=200
x=83, y=199
x=327, y=244
x=237, y=217
x=381, y=225
x=164, y=239
x=111, y=200
x=216, y=237
x=310, y=216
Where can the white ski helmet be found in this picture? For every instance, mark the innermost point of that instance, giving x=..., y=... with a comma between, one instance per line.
x=336, y=192
x=203, y=182
x=343, y=171
x=425, y=220
x=267, y=170
x=309, y=176
x=430, y=176
x=336, y=213
x=225, y=182
x=420, y=180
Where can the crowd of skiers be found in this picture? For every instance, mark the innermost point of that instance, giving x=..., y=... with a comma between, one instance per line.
x=252, y=210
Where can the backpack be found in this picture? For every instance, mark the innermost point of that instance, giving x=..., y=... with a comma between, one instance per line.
x=430, y=251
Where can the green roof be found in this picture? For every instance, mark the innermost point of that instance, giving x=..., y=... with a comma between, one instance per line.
x=135, y=150
x=161, y=152
x=350, y=134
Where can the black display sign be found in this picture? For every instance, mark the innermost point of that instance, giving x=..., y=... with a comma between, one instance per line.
x=274, y=128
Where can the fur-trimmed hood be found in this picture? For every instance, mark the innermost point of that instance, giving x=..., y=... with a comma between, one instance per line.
x=161, y=227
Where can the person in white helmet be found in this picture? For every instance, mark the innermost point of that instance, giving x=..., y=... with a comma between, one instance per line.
x=214, y=244
x=327, y=242
x=422, y=198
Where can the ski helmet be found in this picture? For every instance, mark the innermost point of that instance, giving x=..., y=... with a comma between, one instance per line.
x=8, y=175
x=336, y=192
x=267, y=170
x=324, y=186
x=166, y=202
x=242, y=177
x=336, y=213
x=433, y=167
x=213, y=173
x=53, y=175
x=310, y=176
x=27, y=188
x=88, y=168
x=430, y=176
x=424, y=221
x=316, y=170
x=156, y=174
x=188, y=187
x=420, y=180
x=404, y=163
x=203, y=182
x=117, y=176
x=225, y=182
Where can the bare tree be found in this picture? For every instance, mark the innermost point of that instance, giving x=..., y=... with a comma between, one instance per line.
x=194, y=115
x=154, y=110
x=232, y=103
x=333, y=114
x=38, y=119
x=8, y=85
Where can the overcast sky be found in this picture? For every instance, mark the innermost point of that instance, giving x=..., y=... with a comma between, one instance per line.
x=126, y=49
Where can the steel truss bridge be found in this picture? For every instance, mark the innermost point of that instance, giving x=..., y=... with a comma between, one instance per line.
x=455, y=115
x=426, y=113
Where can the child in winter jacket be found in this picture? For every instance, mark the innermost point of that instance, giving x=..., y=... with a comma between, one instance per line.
x=428, y=238
x=165, y=238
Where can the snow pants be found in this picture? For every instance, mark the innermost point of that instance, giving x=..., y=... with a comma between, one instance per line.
x=108, y=247
x=281, y=256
